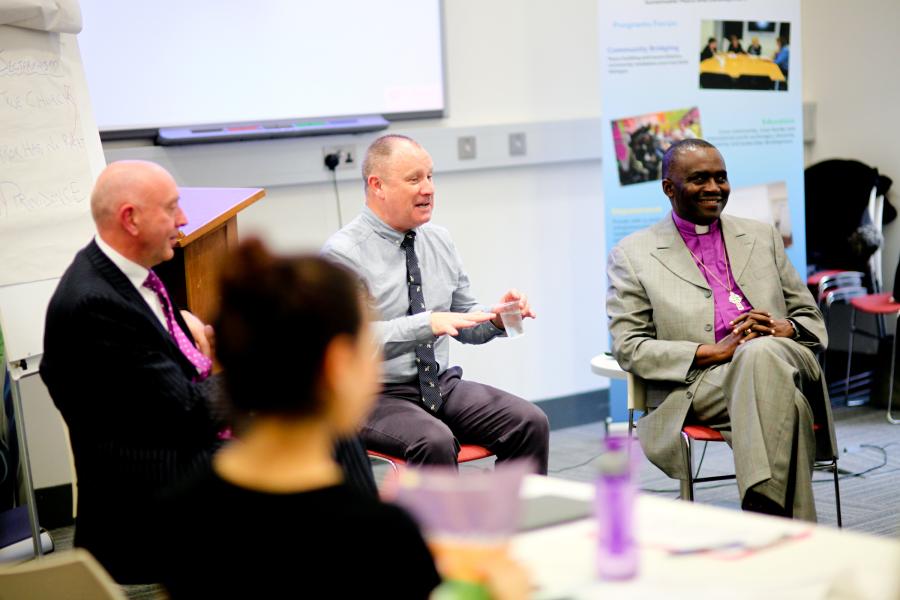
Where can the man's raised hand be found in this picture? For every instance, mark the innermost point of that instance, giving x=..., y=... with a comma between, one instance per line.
x=449, y=323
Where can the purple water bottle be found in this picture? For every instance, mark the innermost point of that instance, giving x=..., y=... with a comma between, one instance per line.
x=617, y=552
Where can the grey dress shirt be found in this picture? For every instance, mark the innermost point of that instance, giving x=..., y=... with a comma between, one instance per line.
x=372, y=249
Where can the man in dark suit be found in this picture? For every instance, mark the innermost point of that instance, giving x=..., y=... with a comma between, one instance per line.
x=134, y=398
x=130, y=374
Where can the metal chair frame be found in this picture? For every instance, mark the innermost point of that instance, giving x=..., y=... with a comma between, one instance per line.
x=881, y=333
x=687, y=484
x=637, y=395
x=888, y=415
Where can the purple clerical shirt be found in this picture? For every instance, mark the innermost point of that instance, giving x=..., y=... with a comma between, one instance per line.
x=707, y=245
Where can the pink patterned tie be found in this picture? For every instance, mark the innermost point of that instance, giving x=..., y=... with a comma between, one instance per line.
x=197, y=358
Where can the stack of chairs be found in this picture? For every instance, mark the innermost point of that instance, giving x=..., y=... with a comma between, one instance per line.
x=845, y=213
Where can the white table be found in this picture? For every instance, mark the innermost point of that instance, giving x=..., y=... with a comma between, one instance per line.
x=606, y=366
x=817, y=562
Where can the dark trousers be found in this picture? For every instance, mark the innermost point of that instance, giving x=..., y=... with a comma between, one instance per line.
x=473, y=413
x=351, y=455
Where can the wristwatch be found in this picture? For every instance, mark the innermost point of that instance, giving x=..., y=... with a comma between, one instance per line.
x=796, y=327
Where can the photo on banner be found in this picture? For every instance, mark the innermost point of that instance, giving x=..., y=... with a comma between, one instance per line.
x=642, y=141
x=745, y=55
x=766, y=202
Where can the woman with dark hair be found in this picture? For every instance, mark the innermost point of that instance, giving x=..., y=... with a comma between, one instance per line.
x=273, y=515
x=734, y=45
x=709, y=50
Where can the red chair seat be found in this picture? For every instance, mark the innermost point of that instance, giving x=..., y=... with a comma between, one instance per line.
x=876, y=304
x=467, y=453
x=702, y=433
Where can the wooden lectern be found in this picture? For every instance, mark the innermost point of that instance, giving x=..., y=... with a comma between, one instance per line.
x=210, y=233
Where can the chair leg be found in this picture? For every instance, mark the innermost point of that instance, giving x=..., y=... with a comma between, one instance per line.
x=849, y=354
x=837, y=492
x=890, y=399
x=687, y=484
x=394, y=466
x=630, y=421
x=700, y=466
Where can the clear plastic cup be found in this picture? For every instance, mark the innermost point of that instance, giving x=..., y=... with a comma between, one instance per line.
x=511, y=315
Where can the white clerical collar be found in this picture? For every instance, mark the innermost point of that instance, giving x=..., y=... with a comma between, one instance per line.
x=686, y=227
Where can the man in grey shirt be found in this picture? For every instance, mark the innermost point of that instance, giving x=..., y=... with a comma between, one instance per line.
x=421, y=292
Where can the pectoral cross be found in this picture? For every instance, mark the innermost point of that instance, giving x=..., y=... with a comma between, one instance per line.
x=736, y=300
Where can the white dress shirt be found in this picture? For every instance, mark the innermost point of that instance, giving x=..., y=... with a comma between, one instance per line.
x=137, y=275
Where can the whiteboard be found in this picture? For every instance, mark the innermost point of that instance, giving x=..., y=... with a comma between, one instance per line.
x=173, y=63
x=50, y=155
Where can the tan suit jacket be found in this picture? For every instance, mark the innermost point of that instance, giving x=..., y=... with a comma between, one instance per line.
x=661, y=309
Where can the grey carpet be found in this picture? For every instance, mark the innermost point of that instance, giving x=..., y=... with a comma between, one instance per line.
x=869, y=502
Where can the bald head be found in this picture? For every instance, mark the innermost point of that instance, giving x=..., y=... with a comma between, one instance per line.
x=125, y=181
x=380, y=152
x=135, y=208
x=680, y=150
x=695, y=181
x=399, y=186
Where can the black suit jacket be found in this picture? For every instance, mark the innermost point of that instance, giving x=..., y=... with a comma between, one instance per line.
x=137, y=420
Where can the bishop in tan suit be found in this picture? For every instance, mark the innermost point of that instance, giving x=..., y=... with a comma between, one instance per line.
x=709, y=311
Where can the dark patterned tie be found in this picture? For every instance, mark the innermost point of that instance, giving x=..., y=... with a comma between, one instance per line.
x=425, y=361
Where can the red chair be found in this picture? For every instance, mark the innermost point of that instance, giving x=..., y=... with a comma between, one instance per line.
x=701, y=433
x=637, y=401
x=878, y=305
x=467, y=453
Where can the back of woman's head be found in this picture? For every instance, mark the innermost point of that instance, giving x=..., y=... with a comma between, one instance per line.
x=276, y=318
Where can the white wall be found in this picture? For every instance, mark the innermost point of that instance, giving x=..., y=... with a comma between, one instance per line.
x=527, y=61
x=537, y=227
x=532, y=61
x=850, y=52
x=511, y=61
x=523, y=60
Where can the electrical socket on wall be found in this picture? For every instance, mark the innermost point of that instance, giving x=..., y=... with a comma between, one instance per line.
x=518, y=145
x=466, y=147
x=347, y=158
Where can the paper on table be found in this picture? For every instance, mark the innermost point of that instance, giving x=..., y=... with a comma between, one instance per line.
x=566, y=569
x=738, y=536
